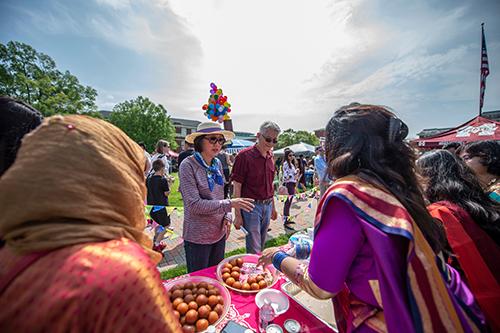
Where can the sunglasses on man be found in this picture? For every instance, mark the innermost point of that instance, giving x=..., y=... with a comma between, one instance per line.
x=269, y=139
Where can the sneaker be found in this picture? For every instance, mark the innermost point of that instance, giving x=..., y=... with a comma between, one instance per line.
x=289, y=227
x=162, y=245
x=157, y=249
x=170, y=228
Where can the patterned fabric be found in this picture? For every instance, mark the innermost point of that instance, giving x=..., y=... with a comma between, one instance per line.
x=289, y=173
x=94, y=287
x=477, y=254
x=213, y=174
x=494, y=192
x=429, y=304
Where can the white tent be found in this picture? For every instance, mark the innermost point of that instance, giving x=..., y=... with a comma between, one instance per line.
x=298, y=148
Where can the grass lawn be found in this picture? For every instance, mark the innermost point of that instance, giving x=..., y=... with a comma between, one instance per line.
x=181, y=270
x=175, y=198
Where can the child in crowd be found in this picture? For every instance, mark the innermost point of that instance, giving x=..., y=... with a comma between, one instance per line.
x=158, y=192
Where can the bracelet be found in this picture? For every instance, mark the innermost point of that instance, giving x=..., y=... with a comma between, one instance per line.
x=278, y=258
x=302, y=251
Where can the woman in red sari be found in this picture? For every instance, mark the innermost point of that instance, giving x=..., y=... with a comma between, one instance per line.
x=472, y=222
x=377, y=250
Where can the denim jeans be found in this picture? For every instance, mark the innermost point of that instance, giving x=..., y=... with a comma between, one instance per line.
x=201, y=256
x=256, y=223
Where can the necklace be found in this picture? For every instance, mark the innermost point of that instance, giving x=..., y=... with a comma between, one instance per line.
x=493, y=181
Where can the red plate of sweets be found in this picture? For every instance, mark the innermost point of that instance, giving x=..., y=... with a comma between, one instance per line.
x=240, y=273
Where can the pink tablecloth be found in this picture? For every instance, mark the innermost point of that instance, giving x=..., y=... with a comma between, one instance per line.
x=244, y=311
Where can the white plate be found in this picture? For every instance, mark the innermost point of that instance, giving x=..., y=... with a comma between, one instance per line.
x=279, y=301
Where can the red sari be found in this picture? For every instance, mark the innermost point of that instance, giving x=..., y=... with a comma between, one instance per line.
x=477, y=254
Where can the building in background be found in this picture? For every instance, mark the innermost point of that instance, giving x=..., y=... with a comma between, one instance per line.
x=183, y=127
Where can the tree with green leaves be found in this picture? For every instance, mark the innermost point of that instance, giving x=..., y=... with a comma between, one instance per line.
x=144, y=121
x=31, y=76
x=290, y=137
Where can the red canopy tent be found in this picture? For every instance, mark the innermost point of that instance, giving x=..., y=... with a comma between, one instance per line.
x=479, y=128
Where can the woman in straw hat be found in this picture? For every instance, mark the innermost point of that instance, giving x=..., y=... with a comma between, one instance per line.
x=207, y=215
x=76, y=257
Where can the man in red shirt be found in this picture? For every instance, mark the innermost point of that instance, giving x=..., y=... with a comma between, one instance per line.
x=253, y=176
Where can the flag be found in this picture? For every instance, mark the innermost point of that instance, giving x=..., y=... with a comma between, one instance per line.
x=485, y=70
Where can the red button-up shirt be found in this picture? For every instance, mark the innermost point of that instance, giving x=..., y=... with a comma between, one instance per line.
x=255, y=173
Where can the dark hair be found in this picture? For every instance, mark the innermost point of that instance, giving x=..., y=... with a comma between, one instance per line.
x=160, y=144
x=198, y=143
x=16, y=119
x=301, y=155
x=158, y=164
x=447, y=178
x=451, y=145
x=288, y=151
x=367, y=140
x=142, y=144
x=491, y=151
x=189, y=144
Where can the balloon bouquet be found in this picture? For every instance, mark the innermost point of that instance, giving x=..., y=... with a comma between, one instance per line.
x=217, y=108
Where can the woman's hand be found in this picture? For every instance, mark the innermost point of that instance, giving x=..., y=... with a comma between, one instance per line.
x=227, y=224
x=242, y=203
x=266, y=257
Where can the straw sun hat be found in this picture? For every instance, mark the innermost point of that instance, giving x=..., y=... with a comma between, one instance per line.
x=209, y=128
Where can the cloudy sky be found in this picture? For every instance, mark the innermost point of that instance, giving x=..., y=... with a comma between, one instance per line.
x=292, y=62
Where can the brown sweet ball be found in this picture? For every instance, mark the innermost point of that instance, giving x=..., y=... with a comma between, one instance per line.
x=201, y=300
x=251, y=280
x=221, y=299
x=189, y=298
x=236, y=269
x=211, y=292
x=187, y=292
x=201, y=325
x=254, y=286
x=236, y=285
x=262, y=284
x=201, y=291
x=182, y=285
x=229, y=266
x=195, y=290
x=174, y=288
x=182, y=308
x=219, y=309
x=182, y=320
x=177, y=293
x=233, y=262
x=225, y=270
x=230, y=280
x=177, y=301
x=235, y=276
x=203, y=311
x=193, y=305
x=225, y=276
x=203, y=284
x=169, y=294
x=217, y=290
x=195, y=285
x=259, y=278
x=177, y=315
x=187, y=328
x=213, y=301
x=188, y=285
x=191, y=316
x=245, y=286
x=239, y=262
x=210, y=287
x=213, y=317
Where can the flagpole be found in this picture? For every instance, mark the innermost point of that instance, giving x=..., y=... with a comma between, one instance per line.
x=485, y=71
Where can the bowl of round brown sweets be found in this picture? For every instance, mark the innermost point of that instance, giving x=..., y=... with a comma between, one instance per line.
x=198, y=302
x=240, y=273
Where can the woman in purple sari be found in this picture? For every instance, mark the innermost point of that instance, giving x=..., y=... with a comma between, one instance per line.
x=377, y=251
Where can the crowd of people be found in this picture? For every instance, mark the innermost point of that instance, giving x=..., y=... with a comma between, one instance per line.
x=402, y=242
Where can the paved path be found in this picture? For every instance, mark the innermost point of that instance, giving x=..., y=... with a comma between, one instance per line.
x=174, y=252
